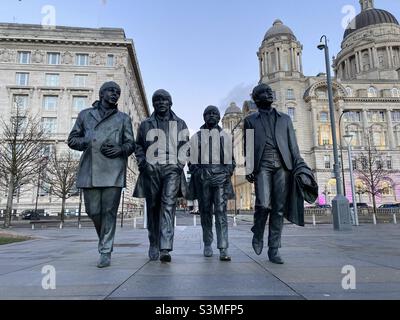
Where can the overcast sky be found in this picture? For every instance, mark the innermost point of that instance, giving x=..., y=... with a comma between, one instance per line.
x=202, y=51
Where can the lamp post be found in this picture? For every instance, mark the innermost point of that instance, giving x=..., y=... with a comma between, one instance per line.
x=348, y=139
x=340, y=204
x=341, y=149
x=41, y=167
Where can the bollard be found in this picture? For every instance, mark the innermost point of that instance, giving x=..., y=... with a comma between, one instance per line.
x=374, y=218
x=175, y=223
x=314, y=221
x=79, y=226
x=61, y=225
x=134, y=223
x=234, y=221
x=194, y=221
x=33, y=226
x=394, y=218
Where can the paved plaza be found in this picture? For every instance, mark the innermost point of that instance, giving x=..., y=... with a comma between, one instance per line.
x=314, y=256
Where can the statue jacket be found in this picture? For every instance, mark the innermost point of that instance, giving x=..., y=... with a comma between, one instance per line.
x=195, y=168
x=88, y=135
x=142, y=145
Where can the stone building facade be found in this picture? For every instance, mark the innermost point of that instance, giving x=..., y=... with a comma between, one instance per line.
x=367, y=100
x=57, y=72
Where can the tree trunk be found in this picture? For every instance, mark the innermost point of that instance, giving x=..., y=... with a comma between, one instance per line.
x=63, y=209
x=9, y=208
x=374, y=203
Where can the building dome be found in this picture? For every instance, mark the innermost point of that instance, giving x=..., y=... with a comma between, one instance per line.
x=370, y=17
x=278, y=29
x=233, y=108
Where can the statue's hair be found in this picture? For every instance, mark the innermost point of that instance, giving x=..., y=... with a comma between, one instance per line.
x=162, y=93
x=107, y=85
x=211, y=108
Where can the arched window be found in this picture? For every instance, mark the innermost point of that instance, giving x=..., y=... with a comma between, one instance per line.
x=378, y=136
x=396, y=93
x=332, y=186
x=365, y=62
x=386, y=189
x=273, y=62
x=372, y=92
x=285, y=61
x=356, y=132
x=349, y=91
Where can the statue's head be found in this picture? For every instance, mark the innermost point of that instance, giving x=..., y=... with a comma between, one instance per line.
x=263, y=96
x=211, y=116
x=110, y=92
x=162, y=102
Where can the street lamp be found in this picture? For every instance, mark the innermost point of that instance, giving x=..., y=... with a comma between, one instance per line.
x=341, y=149
x=348, y=138
x=340, y=204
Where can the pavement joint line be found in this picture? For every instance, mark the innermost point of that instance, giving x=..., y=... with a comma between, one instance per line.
x=268, y=271
x=130, y=277
x=27, y=268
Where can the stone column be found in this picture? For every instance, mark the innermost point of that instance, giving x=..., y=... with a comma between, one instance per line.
x=392, y=141
x=314, y=124
x=375, y=56
x=389, y=57
x=371, y=60
x=301, y=61
x=358, y=62
x=277, y=58
x=266, y=69
x=365, y=126
x=261, y=67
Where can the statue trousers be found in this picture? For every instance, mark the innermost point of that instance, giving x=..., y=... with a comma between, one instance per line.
x=271, y=188
x=212, y=201
x=162, y=186
x=102, y=207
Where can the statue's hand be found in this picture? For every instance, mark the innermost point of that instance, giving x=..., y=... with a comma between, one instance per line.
x=251, y=178
x=111, y=151
x=305, y=179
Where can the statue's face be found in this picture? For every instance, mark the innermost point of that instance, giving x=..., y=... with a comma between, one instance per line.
x=111, y=95
x=161, y=104
x=263, y=97
x=212, y=118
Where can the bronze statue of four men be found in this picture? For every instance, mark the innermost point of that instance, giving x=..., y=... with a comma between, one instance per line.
x=163, y=147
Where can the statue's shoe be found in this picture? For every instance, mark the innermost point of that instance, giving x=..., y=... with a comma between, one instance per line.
x=274, y=256
x=208, y=251
x=224, y=256
x=105, y=260
x=154, y=253
x=165, y=256
x=258, y=245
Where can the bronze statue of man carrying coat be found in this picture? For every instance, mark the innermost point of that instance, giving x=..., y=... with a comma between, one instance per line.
x=105, y=136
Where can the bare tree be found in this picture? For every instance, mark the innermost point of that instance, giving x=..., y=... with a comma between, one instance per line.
x=60, y=176
x=370, y=169
x=22, y=140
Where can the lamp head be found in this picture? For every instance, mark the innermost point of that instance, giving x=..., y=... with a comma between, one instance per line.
x=321, y=46
x=348, y=138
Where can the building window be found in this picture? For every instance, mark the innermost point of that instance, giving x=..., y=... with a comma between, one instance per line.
x=50, y=103
x=290, y=94
x=53, y=58
x=82, y=60
x=49, y=125
x=389, y=164
x=349, y=91
x=378, y=136
x=372, y=92
x=379, y=164
x=356, y=132
x=397, y=135
x=364, y=163
x=80, y=80
x=396, y=93
x=24, y=57
x=396, y=116
x=353, y=116
x=79, y=103
x=327, y=162
x=22, y=79
x=387, y=189
x=325, y=136
x=110, y=60
x=324, y=116
x=292, y=113
x=21, y=102
x=354, y=164
x=376, y=116
x=321, y=94
x=52, y=80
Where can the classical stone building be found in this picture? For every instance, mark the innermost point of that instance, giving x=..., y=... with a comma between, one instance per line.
x=367, y=94
x=56, y=73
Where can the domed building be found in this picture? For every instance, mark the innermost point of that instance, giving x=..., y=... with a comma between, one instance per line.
x=367, y=101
